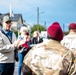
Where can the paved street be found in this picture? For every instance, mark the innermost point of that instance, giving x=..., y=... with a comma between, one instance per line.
x=16, y=69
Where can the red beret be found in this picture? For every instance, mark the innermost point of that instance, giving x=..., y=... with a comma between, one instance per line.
x=55, y=31
x=72, y=26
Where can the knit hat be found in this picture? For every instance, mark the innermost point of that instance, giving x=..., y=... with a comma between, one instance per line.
x=72, y=26
x=55, y=31
x=6, y=18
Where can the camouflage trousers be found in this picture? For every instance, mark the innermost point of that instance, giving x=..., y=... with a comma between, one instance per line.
x=75, y=65
x=26, y=70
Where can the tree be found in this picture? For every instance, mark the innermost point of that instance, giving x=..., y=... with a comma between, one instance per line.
x=67, y=32
x=37, y=27
x=16, y=32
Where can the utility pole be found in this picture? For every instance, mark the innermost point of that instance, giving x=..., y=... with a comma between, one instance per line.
x=45, y=24
x=38, y=17
x=63, y=27
x=10, y=11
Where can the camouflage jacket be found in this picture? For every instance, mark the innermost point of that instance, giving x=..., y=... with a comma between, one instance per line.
x=50, y=59
x=69, y=41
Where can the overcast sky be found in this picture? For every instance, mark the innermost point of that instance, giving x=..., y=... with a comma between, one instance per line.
x=62, y=11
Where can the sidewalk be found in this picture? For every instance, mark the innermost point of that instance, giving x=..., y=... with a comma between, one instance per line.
x=16, y=69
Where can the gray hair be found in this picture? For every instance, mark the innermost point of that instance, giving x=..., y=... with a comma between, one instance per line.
x=23, y=28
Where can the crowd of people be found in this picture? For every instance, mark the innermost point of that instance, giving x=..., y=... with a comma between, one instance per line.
x=51, y=57
x=56, y=56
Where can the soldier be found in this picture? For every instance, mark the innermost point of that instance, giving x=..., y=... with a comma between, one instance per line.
x=50, y=58
x=69, y=40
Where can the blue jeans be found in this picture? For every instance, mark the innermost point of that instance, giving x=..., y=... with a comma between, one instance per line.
x=21, y=57
x=6, y=68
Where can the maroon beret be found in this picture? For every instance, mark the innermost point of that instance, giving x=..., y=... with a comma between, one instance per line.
x=72, y=26
x=55, y=31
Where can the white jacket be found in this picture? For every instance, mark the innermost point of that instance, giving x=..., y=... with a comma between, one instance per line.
x=6, y=49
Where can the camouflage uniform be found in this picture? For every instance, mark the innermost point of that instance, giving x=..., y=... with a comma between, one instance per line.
x=50, y=59
x=69, y=41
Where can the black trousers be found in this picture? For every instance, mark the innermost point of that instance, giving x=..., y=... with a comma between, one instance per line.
x=7, y=68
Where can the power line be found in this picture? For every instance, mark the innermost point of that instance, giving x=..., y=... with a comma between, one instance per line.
x=30, y=15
